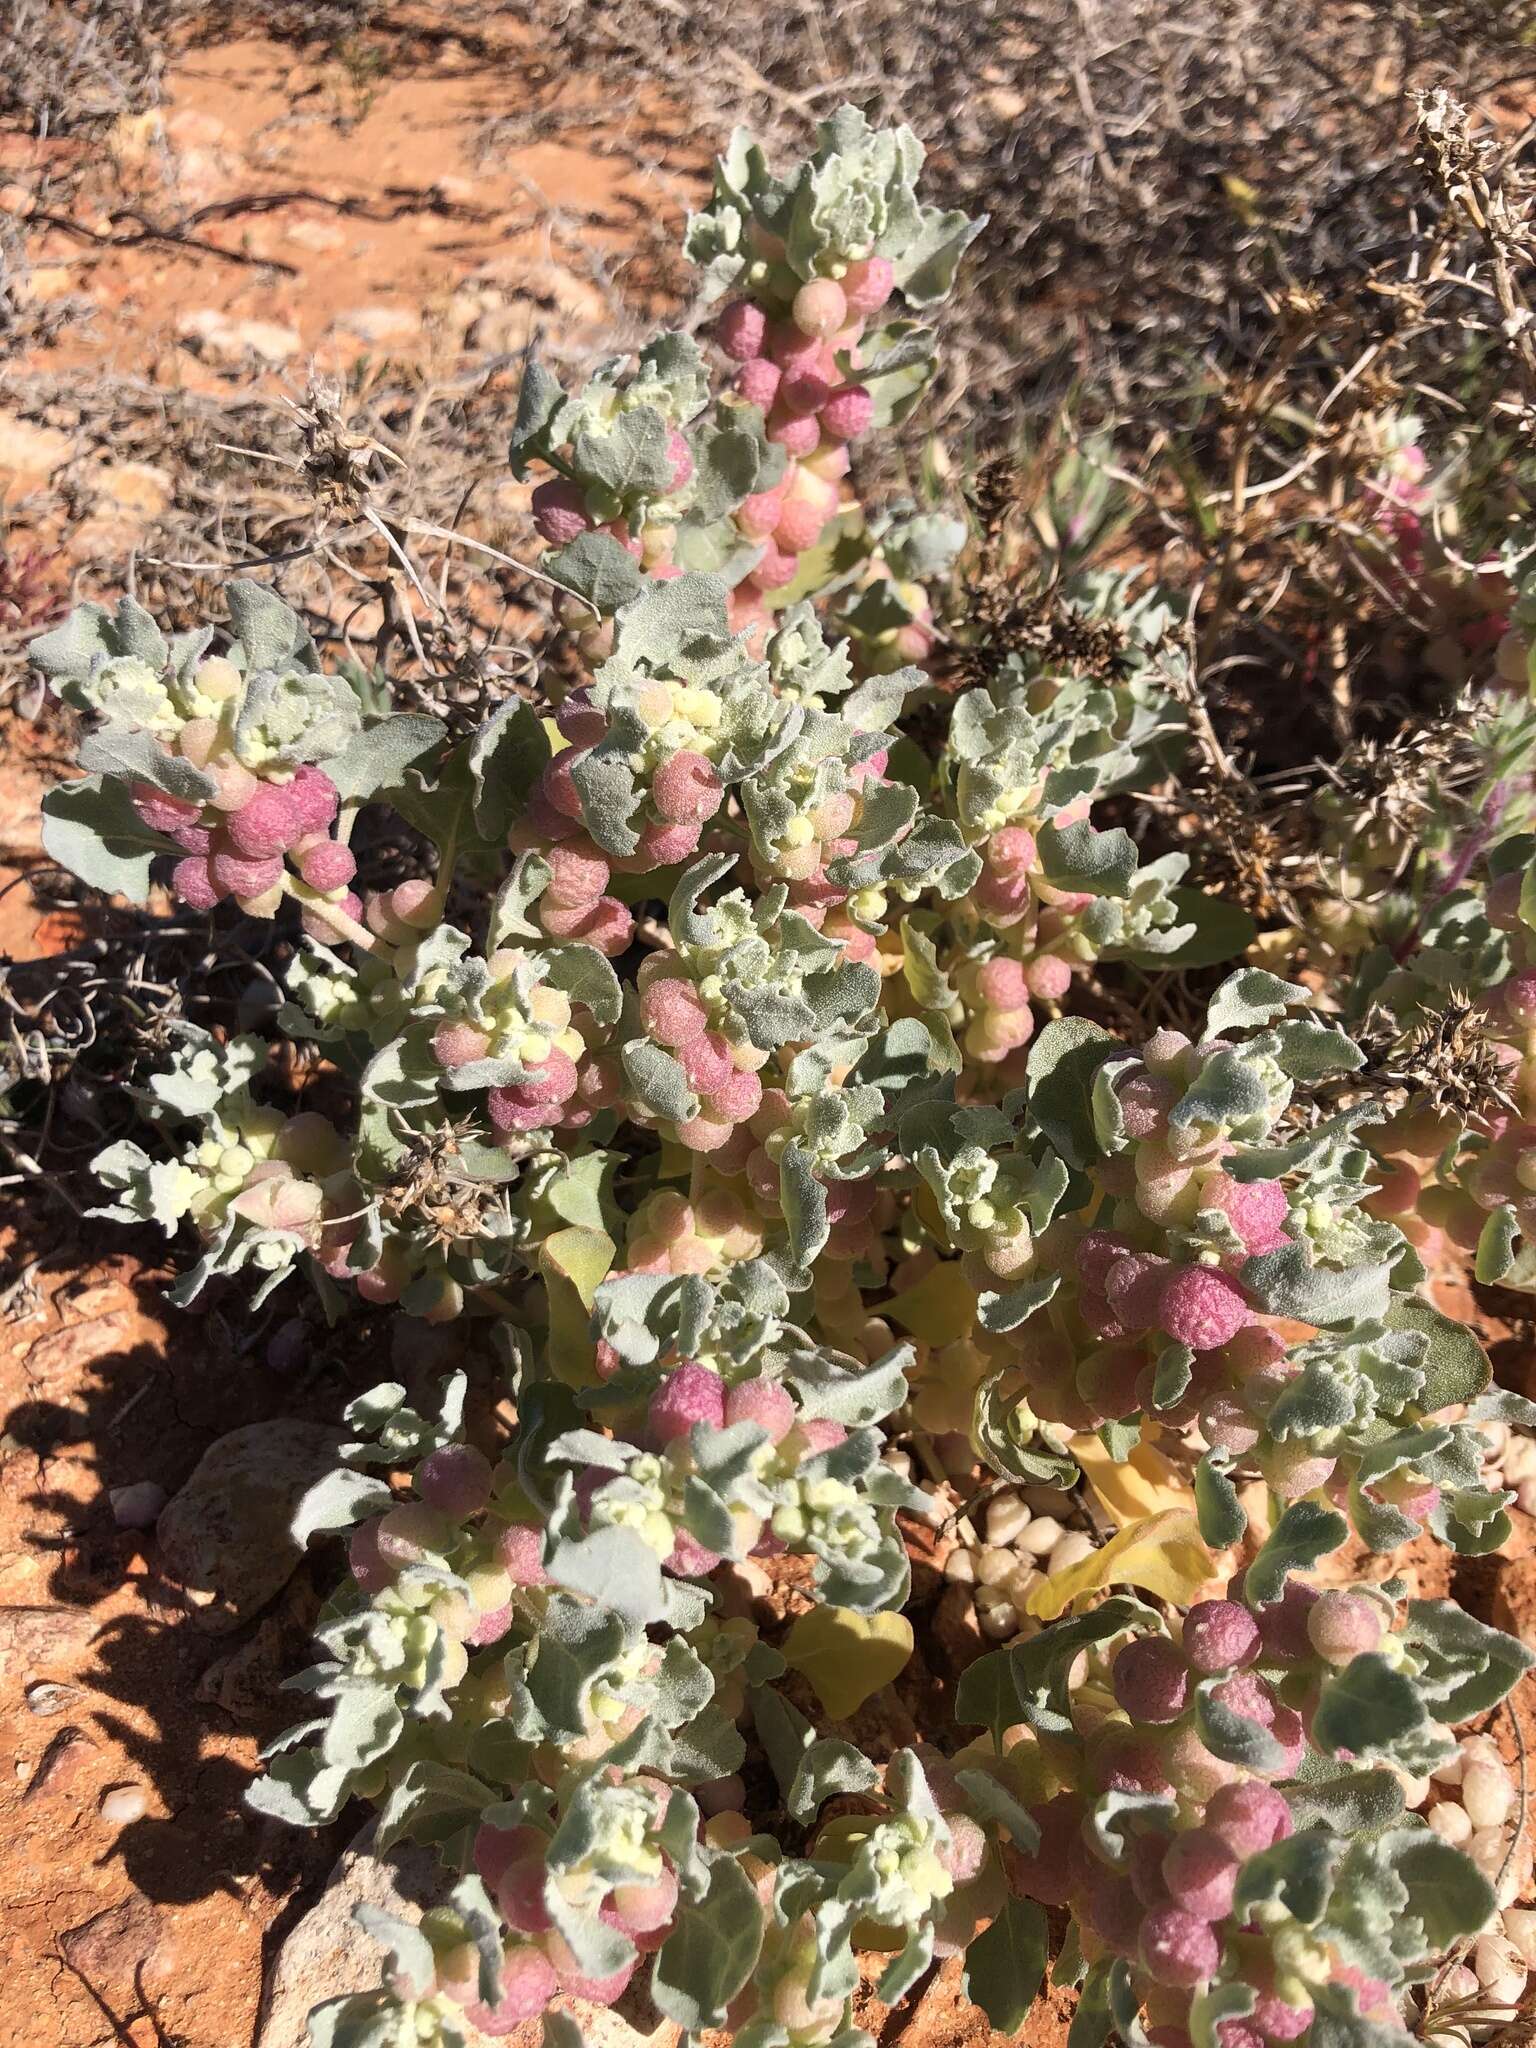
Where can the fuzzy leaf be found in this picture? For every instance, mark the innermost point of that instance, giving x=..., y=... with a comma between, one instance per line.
x=848, y=1657
x=1304, y=1534
x=92, y=828
x=712, y=1950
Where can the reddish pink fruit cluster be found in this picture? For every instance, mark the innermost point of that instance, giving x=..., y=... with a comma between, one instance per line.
x=237, y=844
x=513, y=1863
x=723, y=1075
x=1166, y=1906
x=685, y=793
x=789, y=371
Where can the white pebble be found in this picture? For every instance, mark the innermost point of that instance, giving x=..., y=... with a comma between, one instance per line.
x=1000, y=1622
x=1496, y=1960
x=993, y=1565
x=1070, y=1549
x=1486, y=1793
x=1452, y=1823
x=1519, y=1925
x=960, y=1565
x=1042, y=1535
x=1006, y=1517
x=1519, y=1460
x=1525, y=1494
x=1020, y=1583
x=1415, y=1790
x=1488, y=1848
x=990, y=1598
x=1494, y=1434
x=1449, y=1773
x=124, y=1803
x=899, y=1462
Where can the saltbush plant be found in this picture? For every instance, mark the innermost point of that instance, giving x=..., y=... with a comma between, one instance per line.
x=769, y=1060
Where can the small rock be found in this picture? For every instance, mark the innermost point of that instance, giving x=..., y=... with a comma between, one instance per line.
x=124, y=1803
x=56, y=1362
x=109, y=1950
x=33, y=1636
x=61, y=1763
x=138, y=1505
x=232, y=341
x=319, y=235
x=45, y=1698
x=225, y=1538
x=380, y=324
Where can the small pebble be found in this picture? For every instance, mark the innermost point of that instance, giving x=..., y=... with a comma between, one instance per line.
x=1519, y=1925
x=1006, y=1518
x=1486, y=1793
x=124, y=1803
x=1041, y=1535
x=1020, y=1583
x=137, y=1506
x=1452, y=1823
x=45, y=1697
x=960, y=1565
x=999, y=1622
x=993, y=1565
x=1070, y=1549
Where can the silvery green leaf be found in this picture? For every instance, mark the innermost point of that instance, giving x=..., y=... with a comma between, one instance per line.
x=270, y=633
x=1040, y=1667
x=804, y=1202
x=991, y=1803
x=732, y=461
x=1079, y=858
x=840, y=1390
x=711, y=1951
x=1448, y=1895
x=90, y=635
x=1354, y=1803
x=1286, y=1283
x=660, y=1085
x=1236, y=1738
x=92, y=829
x=1062, y=1063
x=1296, y=1874
x=1220, y=1512
x=121, y=750
x=614, y=1567
x=904, y=1969
x=337, y=1501
x=1306, y=1533
x=432, y=1803
x=1464, y=1666
x=376, y=757
x=1006, y=1311
x=1250, y=999
x=808, y=1771
x=1456, y=1366
x=598, y=569
x=1375, y=1712
x=1105, y=1827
